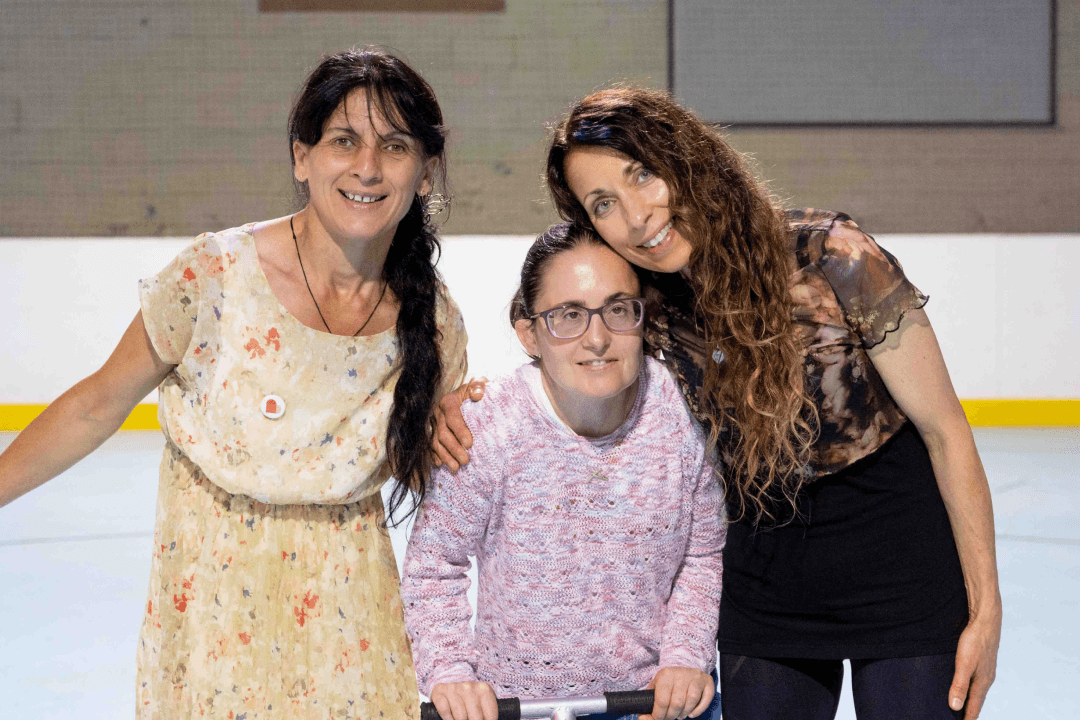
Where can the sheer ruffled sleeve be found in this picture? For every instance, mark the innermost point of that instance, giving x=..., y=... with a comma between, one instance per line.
x=868, y=281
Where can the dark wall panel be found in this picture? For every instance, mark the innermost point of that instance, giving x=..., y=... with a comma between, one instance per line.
x=865, y=61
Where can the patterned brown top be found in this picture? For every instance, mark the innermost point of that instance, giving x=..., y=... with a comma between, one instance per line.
x=848, y=293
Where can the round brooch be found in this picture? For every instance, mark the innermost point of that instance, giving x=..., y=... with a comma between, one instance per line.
x=272, y=407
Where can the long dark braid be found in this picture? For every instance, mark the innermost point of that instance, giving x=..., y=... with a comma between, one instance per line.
x=410, y=273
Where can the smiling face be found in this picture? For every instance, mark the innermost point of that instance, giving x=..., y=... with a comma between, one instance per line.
x=600, y=364
x=629, y=206
x=362, y=174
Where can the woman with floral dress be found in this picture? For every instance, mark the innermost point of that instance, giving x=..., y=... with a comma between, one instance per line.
x=298, y=361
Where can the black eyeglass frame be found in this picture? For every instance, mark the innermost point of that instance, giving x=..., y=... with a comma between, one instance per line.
x=546, y=314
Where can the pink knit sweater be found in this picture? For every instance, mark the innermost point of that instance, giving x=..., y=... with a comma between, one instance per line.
x=598, y=559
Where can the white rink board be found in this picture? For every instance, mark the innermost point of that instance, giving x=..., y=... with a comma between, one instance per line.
x=1006, y=308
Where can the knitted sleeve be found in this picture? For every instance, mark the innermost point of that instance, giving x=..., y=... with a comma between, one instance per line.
x=449, y=528
x=689, y=634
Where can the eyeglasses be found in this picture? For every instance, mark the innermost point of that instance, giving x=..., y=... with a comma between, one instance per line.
x=571, y=321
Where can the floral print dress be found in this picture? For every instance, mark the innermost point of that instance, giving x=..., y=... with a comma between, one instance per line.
x=274, y=589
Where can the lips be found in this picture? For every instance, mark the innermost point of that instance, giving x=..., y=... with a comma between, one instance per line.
x=659, y=237
x=598, y=363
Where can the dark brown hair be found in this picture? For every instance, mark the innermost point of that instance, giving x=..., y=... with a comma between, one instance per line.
x=407, y=102
x=555, y=240
x=739, y=270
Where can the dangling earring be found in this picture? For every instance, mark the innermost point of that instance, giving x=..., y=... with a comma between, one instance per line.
x=433, y=204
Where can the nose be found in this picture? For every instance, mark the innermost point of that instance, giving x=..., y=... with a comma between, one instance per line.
x=368, y=166
x=638, y=211
x=597, y=337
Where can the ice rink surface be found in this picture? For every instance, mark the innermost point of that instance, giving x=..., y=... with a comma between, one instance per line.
x=76, y=560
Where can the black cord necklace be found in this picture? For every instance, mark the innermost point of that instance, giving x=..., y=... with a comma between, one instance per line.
x=306, y=283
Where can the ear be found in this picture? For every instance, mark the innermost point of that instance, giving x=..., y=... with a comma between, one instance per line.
x=427, y=182
x=300, y=153
x=527, y=337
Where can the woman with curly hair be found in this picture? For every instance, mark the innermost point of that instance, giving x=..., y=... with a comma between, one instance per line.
x=861, y=522
x=298, y=361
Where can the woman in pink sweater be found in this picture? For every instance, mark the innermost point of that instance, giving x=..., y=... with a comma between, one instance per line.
x=590, y=504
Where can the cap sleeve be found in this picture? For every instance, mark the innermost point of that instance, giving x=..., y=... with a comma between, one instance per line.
x=170, y=300
x=452, y=342
x=869, y=282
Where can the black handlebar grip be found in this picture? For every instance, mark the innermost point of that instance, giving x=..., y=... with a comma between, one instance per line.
x=637, y=702
x=509, y=709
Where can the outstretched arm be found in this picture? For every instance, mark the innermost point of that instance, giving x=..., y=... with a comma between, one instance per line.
x=910, y=362
x=85, y=416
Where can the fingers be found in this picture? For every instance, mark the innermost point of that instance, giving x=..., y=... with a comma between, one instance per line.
x=465, y=701
x=476, y=388
x=452, y=437
x=970, y=681
x=489, y=706
x=959, y=689
x=679, y=692
x=662, y=697
x=980, y=685
x=706, y=698
x=440, y=455
x=441, y=700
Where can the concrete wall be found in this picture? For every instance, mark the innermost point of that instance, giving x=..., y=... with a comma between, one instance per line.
x=137, y=118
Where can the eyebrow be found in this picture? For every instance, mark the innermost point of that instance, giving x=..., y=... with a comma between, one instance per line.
x=628, y=170
x=610, y=298
x=350, y=130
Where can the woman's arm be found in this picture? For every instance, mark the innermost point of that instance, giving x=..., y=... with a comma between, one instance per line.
x=85, y=416
x=449, y=529
x=910, y=362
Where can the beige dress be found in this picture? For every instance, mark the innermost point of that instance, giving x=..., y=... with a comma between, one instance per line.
x=273, y=590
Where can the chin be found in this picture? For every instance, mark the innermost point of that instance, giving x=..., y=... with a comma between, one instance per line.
x=606, y=390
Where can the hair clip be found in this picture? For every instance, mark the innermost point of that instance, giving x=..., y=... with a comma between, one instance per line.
x=590, y=131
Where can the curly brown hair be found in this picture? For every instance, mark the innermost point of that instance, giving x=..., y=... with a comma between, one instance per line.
x=739, y=270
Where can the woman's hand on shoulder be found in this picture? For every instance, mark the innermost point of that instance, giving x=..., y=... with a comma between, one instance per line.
x=452, y=437
x=680, y=692
x=465, y=700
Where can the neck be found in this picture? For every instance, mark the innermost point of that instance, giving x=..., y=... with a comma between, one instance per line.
x=589, y=416
x=343, y=265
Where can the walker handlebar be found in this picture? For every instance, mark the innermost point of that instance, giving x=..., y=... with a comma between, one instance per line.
x=628, y=702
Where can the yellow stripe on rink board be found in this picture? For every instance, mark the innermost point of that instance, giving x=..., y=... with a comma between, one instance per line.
x=980, y=413
x=1023, y=413
x=13, y=418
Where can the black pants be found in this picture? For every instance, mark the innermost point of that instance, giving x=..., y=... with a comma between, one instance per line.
x=914, y=688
